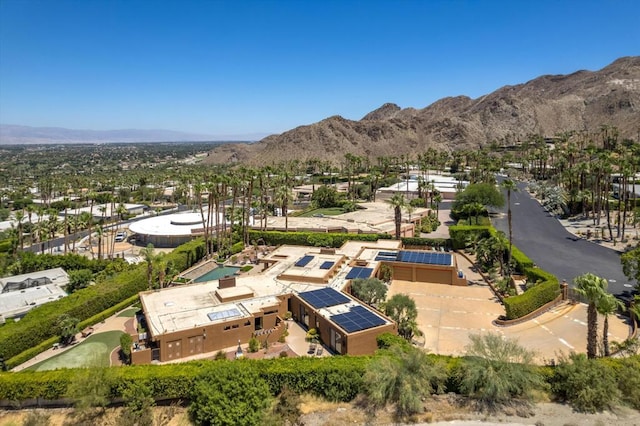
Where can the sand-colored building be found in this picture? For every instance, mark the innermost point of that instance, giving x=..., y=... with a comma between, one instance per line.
x=307, y=282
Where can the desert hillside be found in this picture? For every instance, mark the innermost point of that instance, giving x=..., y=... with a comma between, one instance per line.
x=547, y=105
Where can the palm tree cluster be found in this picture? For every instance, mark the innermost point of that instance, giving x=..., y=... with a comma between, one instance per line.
x=594, y=290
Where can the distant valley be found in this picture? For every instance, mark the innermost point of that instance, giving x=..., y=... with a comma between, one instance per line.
x=26, y=135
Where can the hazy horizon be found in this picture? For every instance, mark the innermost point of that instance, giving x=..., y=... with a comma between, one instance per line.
x=264, y=67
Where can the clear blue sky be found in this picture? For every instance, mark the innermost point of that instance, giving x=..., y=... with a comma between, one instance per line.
x=240, y=67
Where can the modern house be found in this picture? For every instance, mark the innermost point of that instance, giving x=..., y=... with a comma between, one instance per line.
x=21, y=293
x=309, y=283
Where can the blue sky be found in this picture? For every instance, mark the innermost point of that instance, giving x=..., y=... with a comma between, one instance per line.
x=242, y=67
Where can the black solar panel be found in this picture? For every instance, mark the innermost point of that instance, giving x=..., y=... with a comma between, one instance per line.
x=388, y=253
x=327, y=265
x=304, y=261
x=358, y=272
x=357, y=319
x=323, y=297
x=429, y=257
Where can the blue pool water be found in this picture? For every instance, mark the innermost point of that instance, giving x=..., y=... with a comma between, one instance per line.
x=216, y=274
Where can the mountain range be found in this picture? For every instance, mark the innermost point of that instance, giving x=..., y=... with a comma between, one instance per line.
x=583, y=101
x=24, y=135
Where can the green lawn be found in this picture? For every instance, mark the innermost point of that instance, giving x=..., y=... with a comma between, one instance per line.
x=95, y=350
x=130, y=313
x=331, y=211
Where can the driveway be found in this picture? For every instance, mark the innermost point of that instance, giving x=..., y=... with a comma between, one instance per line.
x=547, y=243
x=447, y=315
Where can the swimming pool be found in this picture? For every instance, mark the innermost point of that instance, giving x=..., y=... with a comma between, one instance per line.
x=216, y=274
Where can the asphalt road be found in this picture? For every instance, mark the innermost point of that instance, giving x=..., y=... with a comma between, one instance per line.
x=546, y=242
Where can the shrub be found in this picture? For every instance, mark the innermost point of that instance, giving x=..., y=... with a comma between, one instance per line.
x=587, y=384
x=232, y=395
x=254, y=345
x=404, y=378
x=237, y=247
x=497, y=370
x=520, y=259
x=462, y=234
x=430, y=242
x=629, y=381
x=532, y=299
x=277, y=238
x=125, y=347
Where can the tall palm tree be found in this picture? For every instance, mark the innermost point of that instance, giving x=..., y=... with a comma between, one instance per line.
x=283, y=196
x=593, y=288
x=19, y=219
x=509, y=186
x=149, y=255
x=608, y=305
x=100, y=235
x=398, y=203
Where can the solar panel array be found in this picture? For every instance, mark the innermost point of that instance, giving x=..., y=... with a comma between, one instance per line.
x=358, y=272
x=327, y=265
x=304, y=261
x=389, y=256
x=357, y=319
x=425, y=257
x=323, y=297
x=220, y=315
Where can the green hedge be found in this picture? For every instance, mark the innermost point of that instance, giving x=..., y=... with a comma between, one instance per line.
x=521, y=260
x=276, y=238
x=532, y=299
x=237, y=247
x=335, y=378
x=41, y=324
x=433, y=242
x=462, y=234
x=537, y=275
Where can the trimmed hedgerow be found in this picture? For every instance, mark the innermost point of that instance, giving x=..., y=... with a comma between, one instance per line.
x=276, y=238
x=521, y=260
x=462, y=234
x=335, y=378
x=433, y=242
x=532, y=299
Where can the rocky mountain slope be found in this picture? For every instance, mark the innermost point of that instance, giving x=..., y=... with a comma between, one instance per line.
x=547, y=105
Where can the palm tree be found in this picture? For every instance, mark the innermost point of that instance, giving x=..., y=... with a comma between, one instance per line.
x=509, y=186
x=283, y=196
x=20, y=225
x=149, y=255
x=437, y=199
x=398, y=203
x=608, y=305
x=100, y=235
x=593, y=288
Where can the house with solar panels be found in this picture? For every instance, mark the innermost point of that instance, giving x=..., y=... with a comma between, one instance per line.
x=345, y=325
x=309, y=282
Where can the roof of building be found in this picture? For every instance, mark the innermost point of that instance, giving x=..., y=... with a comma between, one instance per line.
x=189, y=306
x=55, y=276
x=177, y=224
x=21, y=293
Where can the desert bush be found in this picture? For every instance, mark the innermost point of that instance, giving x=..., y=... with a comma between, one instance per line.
x=403, y=378
x=496, y=371
x=587, y=384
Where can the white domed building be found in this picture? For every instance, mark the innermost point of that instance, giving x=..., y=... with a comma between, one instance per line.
x=172, y=230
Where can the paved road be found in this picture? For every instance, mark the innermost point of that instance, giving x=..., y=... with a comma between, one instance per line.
x=553, y=248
